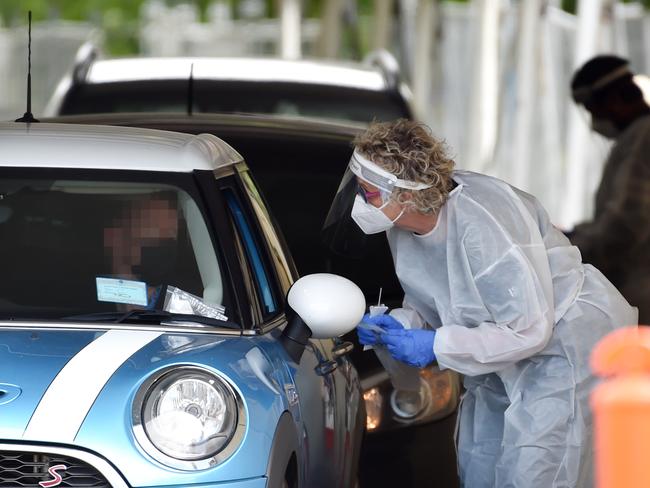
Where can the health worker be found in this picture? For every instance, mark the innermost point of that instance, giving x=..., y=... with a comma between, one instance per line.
x=492, y=290
x=617, y=239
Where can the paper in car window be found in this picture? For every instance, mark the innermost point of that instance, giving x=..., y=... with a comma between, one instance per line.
x=121, y=291
x=180, y=301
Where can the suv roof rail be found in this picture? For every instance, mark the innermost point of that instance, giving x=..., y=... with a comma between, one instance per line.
x=85, y=57
x=387, y=64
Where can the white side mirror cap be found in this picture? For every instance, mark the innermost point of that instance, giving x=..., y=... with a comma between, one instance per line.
x=329, y=304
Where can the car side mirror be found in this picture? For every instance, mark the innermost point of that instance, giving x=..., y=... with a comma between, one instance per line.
x=321, y=306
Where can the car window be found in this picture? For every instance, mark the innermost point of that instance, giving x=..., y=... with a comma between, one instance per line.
x=254, y=254
x=299, y=178
x=328, y=102
x=282, y=265
x=72, y=246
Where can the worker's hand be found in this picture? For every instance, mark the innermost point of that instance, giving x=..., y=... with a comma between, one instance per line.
x=371, y=328
x=414, y=346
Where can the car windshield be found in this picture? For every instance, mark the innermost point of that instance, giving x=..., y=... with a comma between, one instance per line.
x=71, y=246
x=293, y=99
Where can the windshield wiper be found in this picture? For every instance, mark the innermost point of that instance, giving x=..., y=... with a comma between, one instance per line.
x=155, y=317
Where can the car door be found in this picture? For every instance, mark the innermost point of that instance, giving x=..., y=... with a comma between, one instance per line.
x=326, y=382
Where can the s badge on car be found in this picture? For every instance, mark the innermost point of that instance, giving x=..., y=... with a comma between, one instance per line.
x=9, y=393
x=56, y=477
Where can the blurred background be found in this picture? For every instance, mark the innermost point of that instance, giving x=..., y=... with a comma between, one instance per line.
x=490, y=76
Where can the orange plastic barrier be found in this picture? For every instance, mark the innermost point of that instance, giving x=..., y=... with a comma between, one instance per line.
x=621, y=406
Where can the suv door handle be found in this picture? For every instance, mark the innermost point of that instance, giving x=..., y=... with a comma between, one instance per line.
x=342, y=349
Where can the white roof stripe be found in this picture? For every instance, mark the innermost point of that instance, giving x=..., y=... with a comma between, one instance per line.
x=42, y=145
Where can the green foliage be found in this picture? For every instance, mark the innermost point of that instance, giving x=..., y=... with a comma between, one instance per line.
x=645, y=3
x=572, y=5
x=15, y=11
x=119, y=18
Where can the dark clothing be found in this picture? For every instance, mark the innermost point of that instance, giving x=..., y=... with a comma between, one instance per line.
x=617, y=240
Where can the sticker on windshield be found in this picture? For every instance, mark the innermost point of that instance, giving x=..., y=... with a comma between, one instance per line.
x=121, y=291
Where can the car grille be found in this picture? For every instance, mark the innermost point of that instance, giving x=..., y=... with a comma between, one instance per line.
x=26, y=469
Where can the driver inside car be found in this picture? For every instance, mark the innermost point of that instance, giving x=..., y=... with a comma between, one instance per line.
x=141, y=243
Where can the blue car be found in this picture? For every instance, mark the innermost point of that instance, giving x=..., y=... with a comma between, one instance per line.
x=153, y=332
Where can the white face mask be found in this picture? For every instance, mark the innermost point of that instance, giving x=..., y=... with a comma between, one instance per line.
x=605, y=127
x=371, y=219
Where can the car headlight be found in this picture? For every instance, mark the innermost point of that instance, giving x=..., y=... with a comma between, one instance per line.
x=188, y=418
x=387, y=408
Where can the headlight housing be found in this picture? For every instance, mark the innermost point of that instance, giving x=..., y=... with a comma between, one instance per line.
x=387, y=408
x=188, y=418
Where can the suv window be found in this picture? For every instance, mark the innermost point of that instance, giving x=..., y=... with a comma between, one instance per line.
x=213, y=96
x=66, y=243
x=299, y=178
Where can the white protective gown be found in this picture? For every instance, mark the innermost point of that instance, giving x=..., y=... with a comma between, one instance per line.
x=517, y=313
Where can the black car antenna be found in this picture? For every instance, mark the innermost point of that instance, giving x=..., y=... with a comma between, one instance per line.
x=28, y=117
x=190, y=91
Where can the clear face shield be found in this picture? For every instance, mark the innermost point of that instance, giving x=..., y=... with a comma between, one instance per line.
x=362, y=180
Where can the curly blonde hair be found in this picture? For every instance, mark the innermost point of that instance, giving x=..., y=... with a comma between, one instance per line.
x=408, y=150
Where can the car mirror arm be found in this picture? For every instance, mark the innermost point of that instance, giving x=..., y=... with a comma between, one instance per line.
x=295, y=335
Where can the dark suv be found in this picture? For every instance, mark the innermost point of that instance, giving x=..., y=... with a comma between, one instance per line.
x=358, y=92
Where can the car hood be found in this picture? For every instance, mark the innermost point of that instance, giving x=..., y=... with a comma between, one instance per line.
x=76, y=388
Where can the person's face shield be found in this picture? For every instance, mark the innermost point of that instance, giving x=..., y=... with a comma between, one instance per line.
x=365, y=183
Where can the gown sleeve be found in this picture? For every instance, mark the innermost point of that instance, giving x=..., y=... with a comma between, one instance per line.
x=409, y=317
x=511, y=275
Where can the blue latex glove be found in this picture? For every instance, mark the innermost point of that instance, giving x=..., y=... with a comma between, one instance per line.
x=386, y=322
x=414, y=347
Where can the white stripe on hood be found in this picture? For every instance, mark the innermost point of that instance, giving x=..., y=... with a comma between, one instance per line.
x=73, y=391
